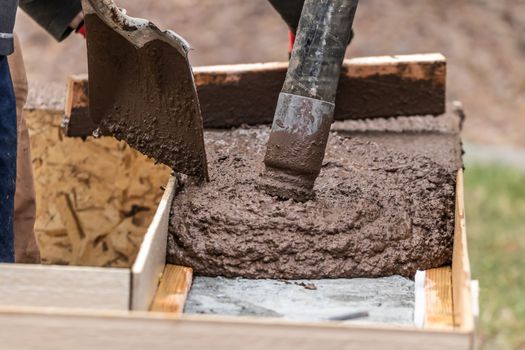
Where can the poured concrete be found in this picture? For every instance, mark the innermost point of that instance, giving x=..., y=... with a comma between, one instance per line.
x=383, y=206
x=387, y=300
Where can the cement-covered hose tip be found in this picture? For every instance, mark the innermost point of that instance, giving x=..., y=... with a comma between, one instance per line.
x=304, y=113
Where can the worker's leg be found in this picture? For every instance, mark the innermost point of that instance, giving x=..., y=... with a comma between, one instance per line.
x=7, y=161
x=26, y=249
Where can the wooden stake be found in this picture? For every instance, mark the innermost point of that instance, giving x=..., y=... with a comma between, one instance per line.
x=438, y=295
x=173, y=289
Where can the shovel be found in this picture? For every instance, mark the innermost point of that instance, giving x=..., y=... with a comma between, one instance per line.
x=141, y=88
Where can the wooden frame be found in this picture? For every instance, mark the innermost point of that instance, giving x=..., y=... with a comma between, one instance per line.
x=461, y=278
x=93, y=287
x=52, y=328
x=151, y=260
x=64, y=286
x=232, y=95
x=173, y=290
x=58, y=307
x=48, y=329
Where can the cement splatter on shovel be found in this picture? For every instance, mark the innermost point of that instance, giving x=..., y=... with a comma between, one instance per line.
x=141, y=88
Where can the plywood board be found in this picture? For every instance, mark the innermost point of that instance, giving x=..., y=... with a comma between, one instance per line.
x=51, y=330
x=151, y=259
x=369, y=87
x=173, y=289
x=64, y=286
x=96, y=198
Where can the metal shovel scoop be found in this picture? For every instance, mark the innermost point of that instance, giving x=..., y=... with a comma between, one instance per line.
x=141, y=88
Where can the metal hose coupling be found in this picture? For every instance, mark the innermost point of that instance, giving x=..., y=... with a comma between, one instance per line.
x=296, y=147
x=305, y=109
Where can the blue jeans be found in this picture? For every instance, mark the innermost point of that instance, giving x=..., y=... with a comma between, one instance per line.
x=7, y=162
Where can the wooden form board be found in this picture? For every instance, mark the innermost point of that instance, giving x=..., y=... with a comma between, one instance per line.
x=461, y=278
x=64, y=286
x=233, y=95
x=29, y=328
x=438, y=299
x=151, y=260
x=369, y=87
x=50, y=330
x=84, y=287
x=173, y=289
x=448, y=295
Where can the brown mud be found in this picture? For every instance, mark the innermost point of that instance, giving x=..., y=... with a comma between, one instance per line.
x=384, y=205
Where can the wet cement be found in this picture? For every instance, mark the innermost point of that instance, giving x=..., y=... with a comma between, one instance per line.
x=296, y=146
x=384, y=205
x=146, y=96
x=375, y=300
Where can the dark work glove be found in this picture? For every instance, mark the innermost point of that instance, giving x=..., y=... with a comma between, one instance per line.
x=290, y=11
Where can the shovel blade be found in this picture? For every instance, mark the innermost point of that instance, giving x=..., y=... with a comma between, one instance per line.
x=141, y=88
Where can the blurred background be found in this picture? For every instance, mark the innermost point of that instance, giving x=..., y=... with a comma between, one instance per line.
x=484, y=42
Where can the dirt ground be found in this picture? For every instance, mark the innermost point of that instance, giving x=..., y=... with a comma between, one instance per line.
x=484, y=41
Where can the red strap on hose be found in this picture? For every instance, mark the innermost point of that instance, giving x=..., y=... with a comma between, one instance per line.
x=81, y=30
x=292, y=41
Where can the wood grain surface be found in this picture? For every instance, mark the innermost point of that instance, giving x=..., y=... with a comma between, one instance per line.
x=173, y=289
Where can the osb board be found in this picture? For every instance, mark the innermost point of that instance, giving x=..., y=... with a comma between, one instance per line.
x=448, y=289
x=95, y=198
